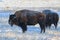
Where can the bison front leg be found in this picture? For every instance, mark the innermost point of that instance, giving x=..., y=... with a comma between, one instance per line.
x=24, y=27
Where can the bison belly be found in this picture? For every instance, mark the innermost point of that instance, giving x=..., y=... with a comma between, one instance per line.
x=32, y=20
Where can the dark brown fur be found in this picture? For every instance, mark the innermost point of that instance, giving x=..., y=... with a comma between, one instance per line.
x=28, y=17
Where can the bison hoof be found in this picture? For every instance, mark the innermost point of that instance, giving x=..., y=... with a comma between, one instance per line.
x=24, y=31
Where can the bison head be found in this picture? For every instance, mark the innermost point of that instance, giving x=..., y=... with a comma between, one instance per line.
x=12, y=19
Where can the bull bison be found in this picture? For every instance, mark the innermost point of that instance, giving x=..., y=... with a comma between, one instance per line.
x=51, y=18
x=22, y=18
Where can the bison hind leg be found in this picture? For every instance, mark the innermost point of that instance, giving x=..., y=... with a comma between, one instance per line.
x=55, y=24
x=42, y=29
x=49, y=25
x=42, y=26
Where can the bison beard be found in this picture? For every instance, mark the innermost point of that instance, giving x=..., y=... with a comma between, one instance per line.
x=28, y=17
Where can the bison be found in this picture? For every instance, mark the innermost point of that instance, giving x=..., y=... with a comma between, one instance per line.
x=22, y=18
x=51, y=18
